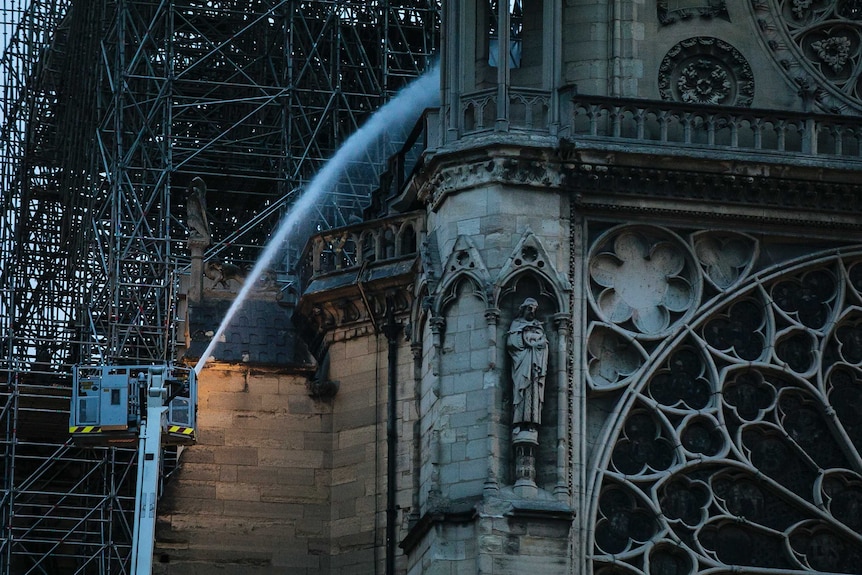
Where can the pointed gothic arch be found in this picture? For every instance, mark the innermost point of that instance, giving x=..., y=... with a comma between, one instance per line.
x=464, y=262
x=530, y=258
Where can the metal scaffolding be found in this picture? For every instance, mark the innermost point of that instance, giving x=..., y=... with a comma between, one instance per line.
x=109, y=109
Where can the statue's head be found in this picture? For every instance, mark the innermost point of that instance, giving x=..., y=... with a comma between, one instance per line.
x=529, y=307
x=198, y=185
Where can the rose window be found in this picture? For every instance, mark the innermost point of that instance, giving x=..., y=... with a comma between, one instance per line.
x=819, y=45
x=734, y=442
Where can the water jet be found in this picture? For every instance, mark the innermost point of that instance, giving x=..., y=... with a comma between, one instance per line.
x=402, y=110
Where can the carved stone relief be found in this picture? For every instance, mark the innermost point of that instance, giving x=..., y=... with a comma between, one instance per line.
x=706, y=70
x=670, y=11
x=818, y=45
x=807, y=197
x=737, y=443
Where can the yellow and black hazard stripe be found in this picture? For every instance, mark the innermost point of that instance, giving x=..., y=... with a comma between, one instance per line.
x=181, y=430
x=85, y=429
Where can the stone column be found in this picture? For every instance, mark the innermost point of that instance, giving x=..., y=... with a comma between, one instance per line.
x=492, y=384
x=438, y=325
x=416, y=349
x=563, y=324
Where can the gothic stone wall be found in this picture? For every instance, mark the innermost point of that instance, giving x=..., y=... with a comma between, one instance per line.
x=358, y=458
x=717, y=52
x=715, y=351
x=253, y=496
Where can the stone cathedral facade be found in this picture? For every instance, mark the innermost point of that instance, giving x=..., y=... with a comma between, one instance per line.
x=609, y=321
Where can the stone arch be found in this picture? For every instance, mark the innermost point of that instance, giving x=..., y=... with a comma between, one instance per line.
x=405, y=241
x=529, y=271
x=520, y=286
x=464, y=261
x=531, y=258
x=744, y=410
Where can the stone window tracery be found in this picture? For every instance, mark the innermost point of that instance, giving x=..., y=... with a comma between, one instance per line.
x=818, y=44
x=515, y=19
x=734, y=439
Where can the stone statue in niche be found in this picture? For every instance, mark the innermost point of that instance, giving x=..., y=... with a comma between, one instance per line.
x=528, y=347
x=196, y=211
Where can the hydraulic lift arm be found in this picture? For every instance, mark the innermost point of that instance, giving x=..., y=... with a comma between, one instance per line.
x=153, y=405
x=149, y=466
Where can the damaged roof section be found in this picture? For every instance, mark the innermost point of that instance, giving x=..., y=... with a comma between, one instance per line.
x=261, y=333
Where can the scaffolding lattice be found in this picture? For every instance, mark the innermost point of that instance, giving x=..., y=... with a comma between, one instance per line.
x=109, y=109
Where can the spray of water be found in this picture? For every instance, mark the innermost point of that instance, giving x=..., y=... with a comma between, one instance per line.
x=402, y=110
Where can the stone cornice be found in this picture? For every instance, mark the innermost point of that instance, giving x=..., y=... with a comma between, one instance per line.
x=498, y=163
x=355, y=307
x=717, y=196
x=620, y=180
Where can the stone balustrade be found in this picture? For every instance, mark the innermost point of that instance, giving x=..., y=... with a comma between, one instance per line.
x=529, y=110
x=761, y=133
x=353, y=246
x=691, y=129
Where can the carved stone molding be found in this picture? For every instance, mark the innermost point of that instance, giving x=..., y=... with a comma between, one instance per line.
x=466, y=174
x=706, y=70
x=759, y=198
x=352, y=311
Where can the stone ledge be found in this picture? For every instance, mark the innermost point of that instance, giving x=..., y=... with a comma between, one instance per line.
x=455, y=512
x=468, y=510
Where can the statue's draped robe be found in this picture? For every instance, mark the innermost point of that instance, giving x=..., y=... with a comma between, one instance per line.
x=196, y=211
x=528, y=348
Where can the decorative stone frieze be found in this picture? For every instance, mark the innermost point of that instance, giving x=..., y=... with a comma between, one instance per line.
x=638, y=188
x=469, y=173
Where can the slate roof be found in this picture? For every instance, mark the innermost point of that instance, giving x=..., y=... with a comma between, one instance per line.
x=261, y=332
